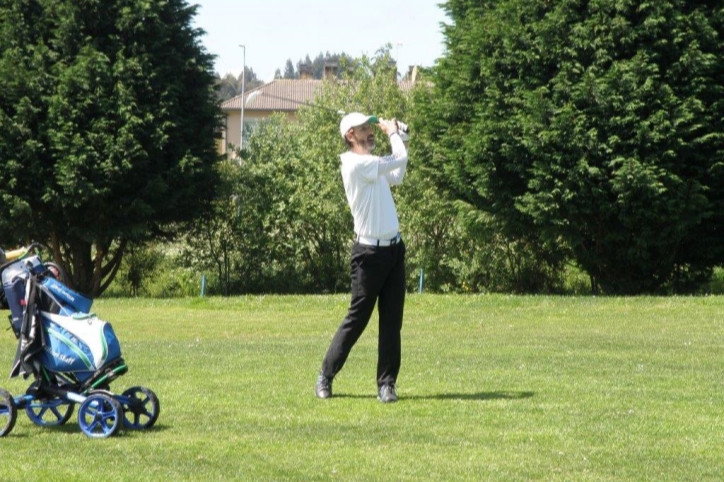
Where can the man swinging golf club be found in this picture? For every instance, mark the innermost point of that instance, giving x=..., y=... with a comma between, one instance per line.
x=378, y=253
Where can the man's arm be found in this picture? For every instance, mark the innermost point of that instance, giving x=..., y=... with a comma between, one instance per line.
x=393, y=167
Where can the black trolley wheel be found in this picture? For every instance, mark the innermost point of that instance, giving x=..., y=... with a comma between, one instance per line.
x=140, y=408
x=8, y=412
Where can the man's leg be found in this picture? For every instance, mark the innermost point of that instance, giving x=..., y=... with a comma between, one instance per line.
x=391, y=308
x=368, y=272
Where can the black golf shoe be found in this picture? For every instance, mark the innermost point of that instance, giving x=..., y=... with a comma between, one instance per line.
x=323, y=388
x=386, y=393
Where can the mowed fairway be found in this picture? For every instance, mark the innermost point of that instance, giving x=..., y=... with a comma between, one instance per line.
x=498, y=388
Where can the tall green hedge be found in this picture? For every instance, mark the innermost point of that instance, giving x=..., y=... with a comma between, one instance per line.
x=592, y=126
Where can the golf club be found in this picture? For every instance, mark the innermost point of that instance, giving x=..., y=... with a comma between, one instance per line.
x=401, y=126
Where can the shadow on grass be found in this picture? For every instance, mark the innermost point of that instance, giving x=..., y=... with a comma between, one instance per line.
x=478, y=396
x=127, y=432
x=65, y=428
x=72, y=428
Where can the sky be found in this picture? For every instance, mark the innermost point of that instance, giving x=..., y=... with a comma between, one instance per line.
x=273, y=31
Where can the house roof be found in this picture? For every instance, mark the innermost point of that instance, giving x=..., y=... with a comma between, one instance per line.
x=286, y=95
x=277, y=95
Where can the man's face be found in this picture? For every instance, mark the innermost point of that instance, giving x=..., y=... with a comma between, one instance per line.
x=362, y=138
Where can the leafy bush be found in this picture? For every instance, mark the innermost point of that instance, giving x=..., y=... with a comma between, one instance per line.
x=154, y=271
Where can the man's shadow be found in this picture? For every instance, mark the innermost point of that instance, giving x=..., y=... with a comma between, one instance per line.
x=477, y=396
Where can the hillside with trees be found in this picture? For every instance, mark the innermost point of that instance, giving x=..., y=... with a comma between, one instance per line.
x=314, y=67
x=229, y=85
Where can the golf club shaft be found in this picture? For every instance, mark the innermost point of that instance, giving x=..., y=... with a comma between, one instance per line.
x=401, y=126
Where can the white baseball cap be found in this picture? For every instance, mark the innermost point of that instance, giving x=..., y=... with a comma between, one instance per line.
x=355, y=119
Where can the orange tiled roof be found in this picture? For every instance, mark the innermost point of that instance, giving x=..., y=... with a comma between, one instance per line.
x=277, y=95
x=285, y=95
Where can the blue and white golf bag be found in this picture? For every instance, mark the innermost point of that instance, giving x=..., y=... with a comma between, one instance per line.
x=80, y=344
x=55, y=329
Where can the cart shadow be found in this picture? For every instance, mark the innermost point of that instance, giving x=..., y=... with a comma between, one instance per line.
x=73, y=428
x=128, y=432
x=476, y=396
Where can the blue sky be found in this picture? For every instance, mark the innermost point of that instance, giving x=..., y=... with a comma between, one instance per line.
x=273, y=31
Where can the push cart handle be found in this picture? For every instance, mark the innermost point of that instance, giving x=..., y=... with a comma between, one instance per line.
x=15, y=254
x=20, y=252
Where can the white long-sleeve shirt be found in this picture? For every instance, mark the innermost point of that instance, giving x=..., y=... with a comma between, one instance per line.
x=367, y=180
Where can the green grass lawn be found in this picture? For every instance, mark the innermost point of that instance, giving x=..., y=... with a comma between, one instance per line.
x=499, y=388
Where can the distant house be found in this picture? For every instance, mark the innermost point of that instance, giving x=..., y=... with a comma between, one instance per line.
x=278, y=96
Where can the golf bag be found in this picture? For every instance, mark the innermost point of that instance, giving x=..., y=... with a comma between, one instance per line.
x=71, y=354
x=53, y=325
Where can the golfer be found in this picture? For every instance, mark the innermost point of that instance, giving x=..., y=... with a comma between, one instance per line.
x=378, y=252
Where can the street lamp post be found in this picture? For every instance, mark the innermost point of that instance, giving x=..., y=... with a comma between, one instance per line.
x=243, y=79
x=397, y=54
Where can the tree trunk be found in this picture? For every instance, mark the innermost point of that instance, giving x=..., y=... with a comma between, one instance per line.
x=91, y=267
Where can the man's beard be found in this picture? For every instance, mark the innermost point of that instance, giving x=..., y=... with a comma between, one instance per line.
x=368, y=144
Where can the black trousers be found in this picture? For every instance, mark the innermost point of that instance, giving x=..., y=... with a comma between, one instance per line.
x=378, y=276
